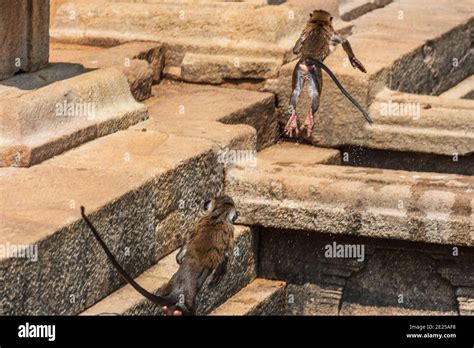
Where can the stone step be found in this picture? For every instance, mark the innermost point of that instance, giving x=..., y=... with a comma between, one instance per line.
x=241, y=270
x=352, y=9
x=260, y=36
x=141, y=62
x=189, y=109
x=375, y=203
x=260, y=297
x=47, y=121
x=182, y=25
x=35, y=127
x=411, y=122
x=216, y=69
x=142, y=189
x=464, y=89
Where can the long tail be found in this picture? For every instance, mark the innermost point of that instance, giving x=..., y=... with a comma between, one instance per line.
x=162, y=301
x=343, y=90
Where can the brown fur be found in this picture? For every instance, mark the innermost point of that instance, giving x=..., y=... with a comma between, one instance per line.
x=315, y=39
x=207, y=251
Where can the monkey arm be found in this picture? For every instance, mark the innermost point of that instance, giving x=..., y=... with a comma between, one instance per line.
x=337, y=39
x=299, y=43
x=219, y=271
x=297, y=47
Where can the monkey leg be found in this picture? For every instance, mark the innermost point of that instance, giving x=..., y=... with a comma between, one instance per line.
x=297, y=86
x=314, y=89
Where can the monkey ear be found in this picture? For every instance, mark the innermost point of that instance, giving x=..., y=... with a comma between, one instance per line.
x=208, y=205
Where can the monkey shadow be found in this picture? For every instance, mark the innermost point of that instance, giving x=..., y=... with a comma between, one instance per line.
x=53, y=72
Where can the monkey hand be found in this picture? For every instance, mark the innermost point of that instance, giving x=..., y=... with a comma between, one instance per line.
x=357, y=64
x=171, y=312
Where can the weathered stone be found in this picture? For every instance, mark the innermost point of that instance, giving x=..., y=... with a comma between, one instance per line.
x=131, y=58
x=25, y=83
x=260, y=297
x=408, y=122
x=24, y=28
x=428, y=207
x=464, y=89
x=311, y=299
x=211, y=41
x=352, y=9
x=216, y=69
x=213, y=113
x=45, y=122
x=398, y=282
x=286, y=154
x=387, y=278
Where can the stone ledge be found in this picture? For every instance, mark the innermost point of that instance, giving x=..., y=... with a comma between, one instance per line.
x=32, y=130
x=261, y=36
x=212, y=113
x=426, y=207
x=260, y=297
x=464, y=89
x=415, y=123
x=141, y=62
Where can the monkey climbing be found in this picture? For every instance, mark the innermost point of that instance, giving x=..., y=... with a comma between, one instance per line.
x=206, y=253
x=313, y=46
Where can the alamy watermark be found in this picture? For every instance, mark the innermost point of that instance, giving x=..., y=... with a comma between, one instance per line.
x=75, y=109
x=19, y=251
x=37, y=331
x=345, y=251
x=390, y=108
x=240, y=157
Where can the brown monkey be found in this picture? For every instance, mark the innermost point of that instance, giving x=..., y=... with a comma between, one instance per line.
x=313, y=47
x=206, y=251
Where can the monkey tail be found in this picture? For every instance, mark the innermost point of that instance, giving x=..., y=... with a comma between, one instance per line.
x=343, y=90
x=162, y=301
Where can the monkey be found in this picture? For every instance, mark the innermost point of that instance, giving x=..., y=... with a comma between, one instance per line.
x=313, y=46
x=206, y=253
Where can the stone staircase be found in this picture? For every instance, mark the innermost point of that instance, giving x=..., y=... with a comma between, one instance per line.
x=416, y=230
x=144, y=173
x=142, y=187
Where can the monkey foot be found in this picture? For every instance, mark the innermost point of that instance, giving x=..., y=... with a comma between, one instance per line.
x=170, y=312
x=292, y=126
x=308, y=124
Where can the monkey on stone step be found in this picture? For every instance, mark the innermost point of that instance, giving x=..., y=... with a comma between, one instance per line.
x=206, y=252
x=313, y=47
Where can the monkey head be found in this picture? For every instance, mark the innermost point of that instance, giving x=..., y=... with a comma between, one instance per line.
x=222, y=209
x=320, y=16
